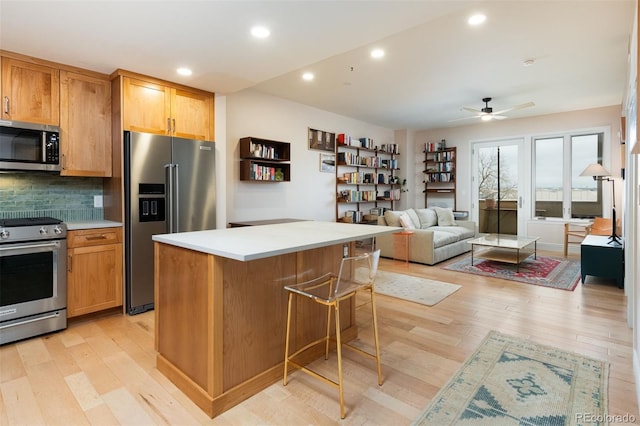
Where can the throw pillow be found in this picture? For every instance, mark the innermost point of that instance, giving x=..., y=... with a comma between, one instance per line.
x=406, y=221
x=392, y=217
x=445, y=216
x=414, y=217
x=427, y=218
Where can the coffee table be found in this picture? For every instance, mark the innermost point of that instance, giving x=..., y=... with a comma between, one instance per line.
x=504, y=248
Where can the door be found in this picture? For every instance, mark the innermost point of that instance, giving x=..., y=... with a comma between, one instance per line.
x=191, y=115
x=194, y=173
x=85, y=125
x=147, y=107
x=145, y=212
x=498, y=186
x=94, y=279
x=30, y=92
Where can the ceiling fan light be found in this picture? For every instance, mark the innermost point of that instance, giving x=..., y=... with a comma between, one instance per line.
x=486, y=117
x=476, y=19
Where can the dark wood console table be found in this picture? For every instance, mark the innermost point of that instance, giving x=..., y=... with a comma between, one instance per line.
x=601, y=259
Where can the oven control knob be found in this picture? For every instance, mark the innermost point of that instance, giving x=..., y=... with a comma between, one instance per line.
x=43, y=231
x=4, y=234
x=57, y=230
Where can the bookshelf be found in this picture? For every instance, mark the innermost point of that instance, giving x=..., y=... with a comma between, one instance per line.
x=439, y=177
x=264, y=160
x=366, y=179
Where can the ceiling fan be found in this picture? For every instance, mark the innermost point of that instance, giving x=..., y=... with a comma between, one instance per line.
x=487, y=113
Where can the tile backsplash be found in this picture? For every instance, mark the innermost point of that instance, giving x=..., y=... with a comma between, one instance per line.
x=47, y=194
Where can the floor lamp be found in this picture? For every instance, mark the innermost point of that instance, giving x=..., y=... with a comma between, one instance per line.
x=600, y=173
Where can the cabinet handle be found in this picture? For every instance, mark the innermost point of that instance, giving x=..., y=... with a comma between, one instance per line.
x=64, y=162
x=95, y=237
x=174, y=126
x=6, y=105
x=168, y=125
x=69, y=265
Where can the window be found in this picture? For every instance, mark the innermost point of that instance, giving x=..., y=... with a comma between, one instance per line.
x=559, y=161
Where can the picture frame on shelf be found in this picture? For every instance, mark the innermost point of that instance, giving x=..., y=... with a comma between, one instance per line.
x=328, y=163
x=322, y=140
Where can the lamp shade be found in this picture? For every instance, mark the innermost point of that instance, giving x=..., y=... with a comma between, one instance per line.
x=595, y=170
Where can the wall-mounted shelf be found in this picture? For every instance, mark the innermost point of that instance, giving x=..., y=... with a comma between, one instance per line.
x=440, y=177
x=366, y=180
x=264, y=160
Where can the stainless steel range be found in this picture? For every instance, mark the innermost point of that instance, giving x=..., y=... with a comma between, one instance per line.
x=33, y=277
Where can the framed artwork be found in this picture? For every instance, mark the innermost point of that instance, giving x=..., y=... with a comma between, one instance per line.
x=328, y=163
x=321, y=140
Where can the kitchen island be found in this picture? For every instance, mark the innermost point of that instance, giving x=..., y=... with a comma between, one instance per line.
x=220, y=306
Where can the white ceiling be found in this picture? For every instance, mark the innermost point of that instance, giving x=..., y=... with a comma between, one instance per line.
x=434, y=64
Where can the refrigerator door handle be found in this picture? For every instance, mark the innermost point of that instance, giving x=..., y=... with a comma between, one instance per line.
x=168, y=180
x=176, y=192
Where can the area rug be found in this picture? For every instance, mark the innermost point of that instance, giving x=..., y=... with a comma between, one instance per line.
x=420, y=290
x=511, y=381
x=544, y=271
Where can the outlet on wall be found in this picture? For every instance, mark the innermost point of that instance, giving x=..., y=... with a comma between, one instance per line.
x=97, y=201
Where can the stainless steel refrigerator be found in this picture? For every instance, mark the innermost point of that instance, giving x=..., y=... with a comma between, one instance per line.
x=170, y=186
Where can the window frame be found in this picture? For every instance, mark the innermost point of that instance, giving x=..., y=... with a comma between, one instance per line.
x=604, y=191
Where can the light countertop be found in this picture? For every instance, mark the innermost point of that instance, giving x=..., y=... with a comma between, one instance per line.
x=91, y=224
x=257, y=242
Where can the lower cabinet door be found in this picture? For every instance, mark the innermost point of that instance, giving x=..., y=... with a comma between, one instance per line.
x=94, y=278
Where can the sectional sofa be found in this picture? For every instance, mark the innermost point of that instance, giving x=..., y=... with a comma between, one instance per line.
x=437, y=236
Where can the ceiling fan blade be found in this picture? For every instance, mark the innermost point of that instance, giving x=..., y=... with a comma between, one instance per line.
x=477, y=111
x=498, y=117
x=464, y=118
x=517, y=107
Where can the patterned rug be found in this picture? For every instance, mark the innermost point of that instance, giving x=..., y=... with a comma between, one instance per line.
x=510, y=381
x=415, y=289
x=544, y=271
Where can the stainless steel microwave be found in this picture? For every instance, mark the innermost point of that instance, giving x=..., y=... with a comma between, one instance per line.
x=29, y=146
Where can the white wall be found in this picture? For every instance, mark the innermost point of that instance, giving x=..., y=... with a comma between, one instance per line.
x=311, y=194
x=523, y=128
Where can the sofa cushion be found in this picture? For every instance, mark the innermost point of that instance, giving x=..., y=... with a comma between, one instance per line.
x=392, y=217
x=414, y=217
x=461, y=232
x=427, y=218
x=445, y=216
x=443, y=238
x=406, y=222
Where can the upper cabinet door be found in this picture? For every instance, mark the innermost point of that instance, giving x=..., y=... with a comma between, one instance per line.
x=30, y=92
x=147, y=107
x=85, y=125
x=191, y=115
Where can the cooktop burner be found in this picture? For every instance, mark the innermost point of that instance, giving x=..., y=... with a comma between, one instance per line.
x=29, y=221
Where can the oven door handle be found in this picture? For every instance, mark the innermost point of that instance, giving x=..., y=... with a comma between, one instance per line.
x=57, y=314
x=29, y=246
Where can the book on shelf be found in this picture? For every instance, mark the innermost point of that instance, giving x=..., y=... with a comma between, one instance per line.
x=353, y=216
x=391, y=148
x=367, y=143
x=435, y=146
x=260, y=172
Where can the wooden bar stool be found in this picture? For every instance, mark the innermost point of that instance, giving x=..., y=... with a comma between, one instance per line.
x=356, y=274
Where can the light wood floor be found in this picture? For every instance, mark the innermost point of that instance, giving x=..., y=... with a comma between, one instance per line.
x=102, y=371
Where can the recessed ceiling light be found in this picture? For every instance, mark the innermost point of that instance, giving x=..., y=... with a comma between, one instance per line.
x=184, y=71
x=308, y=76
x=260, y=32
x=477, y=19
x=377, y=53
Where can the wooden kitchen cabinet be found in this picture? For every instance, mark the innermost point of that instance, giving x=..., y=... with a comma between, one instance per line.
x=30, y=92
x=156, y=108
x=85, y=125
x=94, y=270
